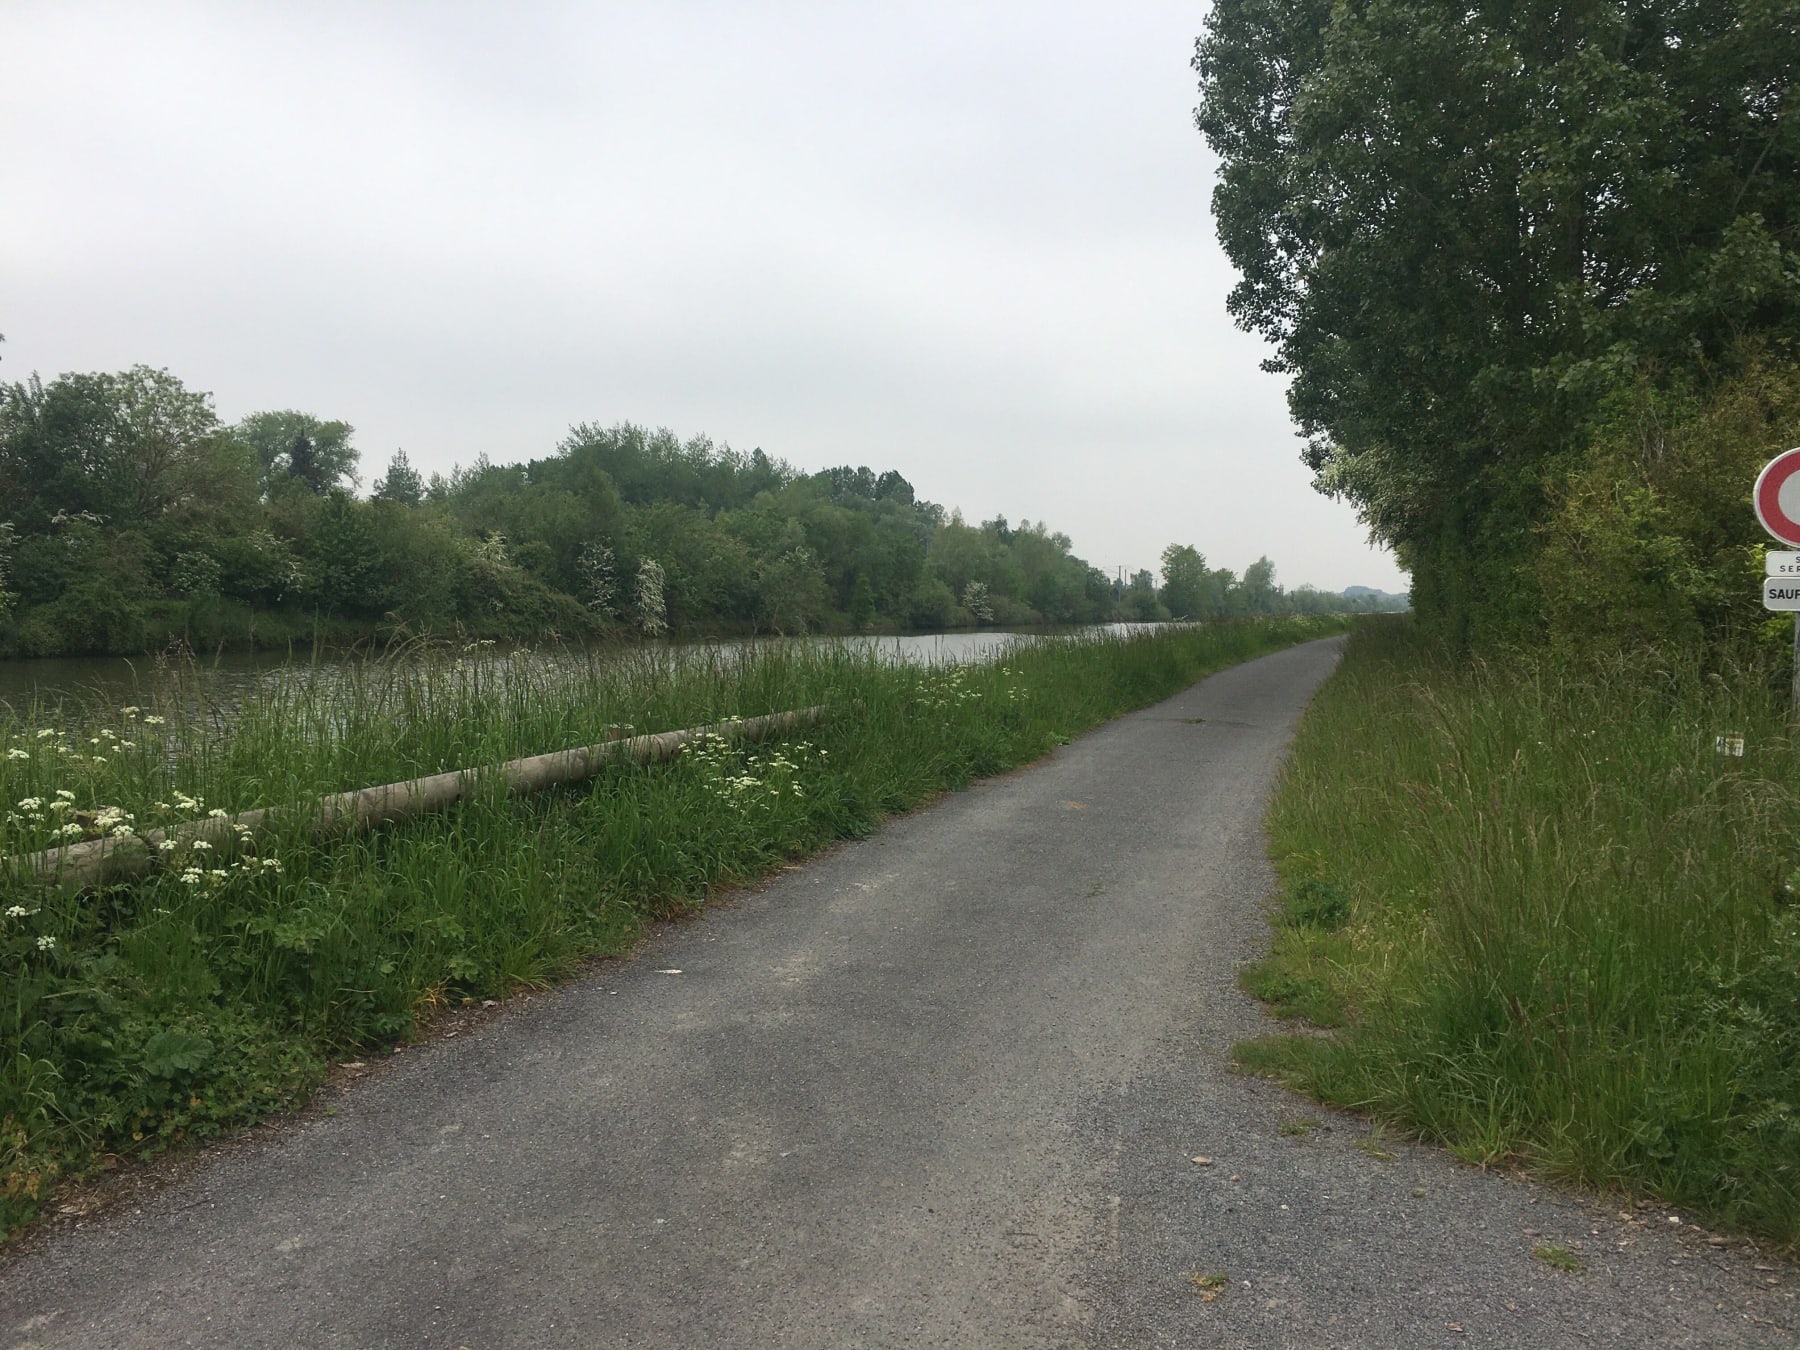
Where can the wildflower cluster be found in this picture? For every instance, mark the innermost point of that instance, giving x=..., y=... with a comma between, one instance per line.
x=49, y=816
x=475, y=659
x=23, y=943
x=943, y=689
x=745, y=779
x=53, y=744
x=191, y=861
x=195, y=871
x=1014, y=691
x=57, y=818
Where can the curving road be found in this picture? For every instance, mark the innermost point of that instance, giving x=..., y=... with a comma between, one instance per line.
x=940, y=1087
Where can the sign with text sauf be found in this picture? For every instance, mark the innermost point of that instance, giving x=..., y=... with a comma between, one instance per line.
x=1782, y=594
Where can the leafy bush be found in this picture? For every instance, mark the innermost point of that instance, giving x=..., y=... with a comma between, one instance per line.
x=1652, y=541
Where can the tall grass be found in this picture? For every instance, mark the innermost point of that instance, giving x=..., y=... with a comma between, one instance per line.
x=1559, y=923
x=216, y=990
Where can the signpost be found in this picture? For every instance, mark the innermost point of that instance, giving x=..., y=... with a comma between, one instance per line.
x=1777, y=501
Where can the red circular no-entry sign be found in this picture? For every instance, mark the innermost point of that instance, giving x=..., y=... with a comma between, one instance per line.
x=1777, y=496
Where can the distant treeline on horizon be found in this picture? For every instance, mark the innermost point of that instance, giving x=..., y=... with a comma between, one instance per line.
x=134, y=517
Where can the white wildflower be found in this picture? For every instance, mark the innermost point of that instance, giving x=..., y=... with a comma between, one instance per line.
x=18, y=911
x=16, y=753
x=46, y=943
x=217, y=813
x=154, y=721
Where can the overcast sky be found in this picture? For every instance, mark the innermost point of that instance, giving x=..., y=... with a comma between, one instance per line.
x=969, y=241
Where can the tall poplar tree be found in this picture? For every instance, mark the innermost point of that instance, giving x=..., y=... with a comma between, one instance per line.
x=1462, y=226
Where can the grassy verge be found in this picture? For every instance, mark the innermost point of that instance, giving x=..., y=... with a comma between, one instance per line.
x=216, y=991
x=1555, y=923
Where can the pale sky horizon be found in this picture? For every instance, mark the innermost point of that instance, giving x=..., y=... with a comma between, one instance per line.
x=970, y=243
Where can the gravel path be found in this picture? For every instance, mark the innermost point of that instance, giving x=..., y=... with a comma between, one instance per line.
x=940, y=1087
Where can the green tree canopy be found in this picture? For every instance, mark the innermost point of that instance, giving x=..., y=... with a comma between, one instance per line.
x=296, y=447
x=401, y=483
x=1187, y=584
x=1462, y=226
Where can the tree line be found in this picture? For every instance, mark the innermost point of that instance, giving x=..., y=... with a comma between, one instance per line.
x=1533, y=270
x=136, y=516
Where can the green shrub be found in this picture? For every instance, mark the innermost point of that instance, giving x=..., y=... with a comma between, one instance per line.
x=1652, y=540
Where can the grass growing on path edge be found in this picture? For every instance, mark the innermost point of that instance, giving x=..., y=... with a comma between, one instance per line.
x=1554, y=922
x=219, y=990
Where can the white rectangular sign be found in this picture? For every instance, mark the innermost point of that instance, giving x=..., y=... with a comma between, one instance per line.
x=1782, y=593
x=1777, y=564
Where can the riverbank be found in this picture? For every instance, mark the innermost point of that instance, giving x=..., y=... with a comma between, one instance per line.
x=1552, y=913
x=120, y=681
x=276, y=639
x=217, y=992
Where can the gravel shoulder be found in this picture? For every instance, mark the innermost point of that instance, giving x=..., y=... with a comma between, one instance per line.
x=942, y=1086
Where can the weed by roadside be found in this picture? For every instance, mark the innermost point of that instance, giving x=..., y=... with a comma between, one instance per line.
x=1554, y=922
x=1209, y=1283
x=1558, y=1257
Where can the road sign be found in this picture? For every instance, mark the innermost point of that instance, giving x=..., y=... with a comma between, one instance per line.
x=1778, y=564
x=1777, y=496
x=1782, y=593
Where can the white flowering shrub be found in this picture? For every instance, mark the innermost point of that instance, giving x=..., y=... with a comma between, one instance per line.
x=8, y=538
x=595, y=564
x=651, y=610
x=975, y=600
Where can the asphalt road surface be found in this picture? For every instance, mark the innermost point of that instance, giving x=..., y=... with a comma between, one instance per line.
x=938, y=1088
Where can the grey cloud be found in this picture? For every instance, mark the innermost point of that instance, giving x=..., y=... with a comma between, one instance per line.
x=968, y=242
